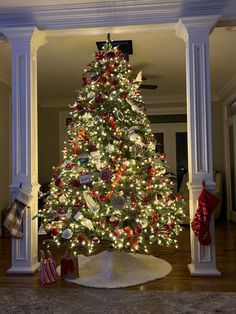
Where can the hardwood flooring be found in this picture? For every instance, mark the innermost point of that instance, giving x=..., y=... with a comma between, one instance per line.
x=178, y=280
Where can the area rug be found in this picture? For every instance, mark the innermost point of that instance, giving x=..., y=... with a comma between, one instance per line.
x=119, y=269
x=84, y=300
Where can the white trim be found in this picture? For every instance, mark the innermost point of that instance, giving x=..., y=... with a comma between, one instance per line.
x=112, y=30
x=106, y=13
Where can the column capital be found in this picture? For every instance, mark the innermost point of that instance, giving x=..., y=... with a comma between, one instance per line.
x=196, y=25
x=27, y=35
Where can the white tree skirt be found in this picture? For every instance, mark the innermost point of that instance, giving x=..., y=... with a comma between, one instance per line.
x=119, y=269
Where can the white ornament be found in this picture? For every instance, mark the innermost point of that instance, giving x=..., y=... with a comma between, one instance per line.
x=68, y=214
x=91, y=96
x=133, y=106
x=113, y=219
x=62, y=198
x=138, y=78
x=92, y=205
x=87, y=223
x=144, y=223
x=78, y=216
x=66, y=234
x=109, y=148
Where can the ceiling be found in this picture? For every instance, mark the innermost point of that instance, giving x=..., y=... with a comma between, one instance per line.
x=156, y=51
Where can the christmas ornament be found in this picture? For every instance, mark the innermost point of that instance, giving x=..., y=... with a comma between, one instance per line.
x=83, y=159
x=91, y=96
x=59, y=183
x=106, y=174
x=68, y=214
x=118, y=202
x=96, y=240
x=113, y=95
x=78, y=216
x=62, y=198
x=109, y=148
x=144, y=223
x=119, y=115
x=86, y=179
x=92, y=205
x=66, y=234
x=114, y=221
x=54, y=230
x=87, y=223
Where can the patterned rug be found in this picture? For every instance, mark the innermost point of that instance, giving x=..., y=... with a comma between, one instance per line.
x=86, y=300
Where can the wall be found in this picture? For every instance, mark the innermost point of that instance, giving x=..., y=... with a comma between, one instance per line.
x=5, y=146
x=49, y=154
x=218, y=137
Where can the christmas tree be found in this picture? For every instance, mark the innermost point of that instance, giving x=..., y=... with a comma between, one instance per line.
x=112, y=188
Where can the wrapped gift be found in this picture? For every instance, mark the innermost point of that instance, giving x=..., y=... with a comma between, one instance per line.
x=69, y=266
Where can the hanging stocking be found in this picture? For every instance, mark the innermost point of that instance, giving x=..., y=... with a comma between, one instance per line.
x=207, y=202
x=13, y=220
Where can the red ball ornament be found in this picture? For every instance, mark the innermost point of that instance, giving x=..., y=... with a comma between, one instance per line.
x=94, y=192
x=138, y=229
x=166, y=227
x=59, y=183
x=101, y=198
x=155, y=217
x=96, y=240
x=115, y=83
x=159, y=197
x=80, y=238
x=111, y=54
x=86, y=80
x=54, y=230
x=103, y=80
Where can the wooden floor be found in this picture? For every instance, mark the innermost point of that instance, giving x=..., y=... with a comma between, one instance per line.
x=178, y=280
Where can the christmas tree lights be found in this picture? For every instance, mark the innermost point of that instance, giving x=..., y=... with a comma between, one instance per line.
x=112, y=188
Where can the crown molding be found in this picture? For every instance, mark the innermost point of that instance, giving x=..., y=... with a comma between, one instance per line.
x=88, y=14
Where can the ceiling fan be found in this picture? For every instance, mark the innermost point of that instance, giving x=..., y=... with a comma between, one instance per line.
x=147, y=86
x=126, y=48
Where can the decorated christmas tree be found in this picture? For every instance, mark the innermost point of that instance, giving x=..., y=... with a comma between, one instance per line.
x=112, y=188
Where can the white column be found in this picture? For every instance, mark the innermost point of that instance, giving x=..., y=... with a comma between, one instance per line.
x=195, y=32
x=25, y=42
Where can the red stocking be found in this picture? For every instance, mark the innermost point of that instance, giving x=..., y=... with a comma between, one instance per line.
x=201, y=221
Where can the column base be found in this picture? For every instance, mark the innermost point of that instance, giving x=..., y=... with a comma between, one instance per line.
x=203, y=272
x=23, y=270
